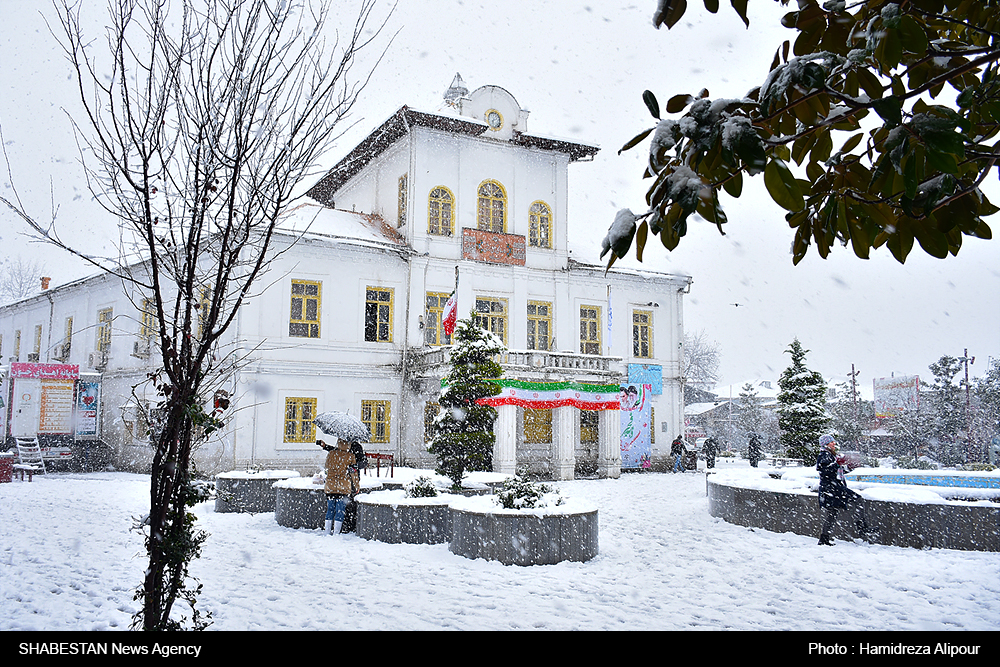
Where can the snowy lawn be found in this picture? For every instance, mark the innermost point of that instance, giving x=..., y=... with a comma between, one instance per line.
x=69, y=561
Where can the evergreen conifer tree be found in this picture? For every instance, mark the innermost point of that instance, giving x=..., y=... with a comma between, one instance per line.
x=463, y=431
x=802, y=413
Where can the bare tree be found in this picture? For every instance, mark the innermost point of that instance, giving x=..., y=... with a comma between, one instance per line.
x=195, y=133
x=19, y=278
x=700, y=365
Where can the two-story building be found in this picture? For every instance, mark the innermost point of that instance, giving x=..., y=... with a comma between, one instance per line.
x=349, y=316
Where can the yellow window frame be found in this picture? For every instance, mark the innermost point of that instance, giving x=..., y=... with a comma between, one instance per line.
x=306, y=309
x=540, y=225
x=491, y=315
x=378, y=314
x=441, y=212
x=300, y=411
x=491, y=207
x=434, y=303
x=537, y=426
x=590, y=330
x=104, y=318
x=642, y=334
x=539, y=325
x=377, y=415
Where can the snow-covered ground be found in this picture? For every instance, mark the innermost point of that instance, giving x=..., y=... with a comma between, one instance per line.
x=70, y=561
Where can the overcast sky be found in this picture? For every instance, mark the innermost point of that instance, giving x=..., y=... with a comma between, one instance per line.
x=580, y=70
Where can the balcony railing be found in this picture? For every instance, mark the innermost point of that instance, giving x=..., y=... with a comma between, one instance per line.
x=528, y=362
x=492, y=247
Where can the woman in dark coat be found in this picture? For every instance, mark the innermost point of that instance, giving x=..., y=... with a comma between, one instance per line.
x=834, y=494
x=754, y=451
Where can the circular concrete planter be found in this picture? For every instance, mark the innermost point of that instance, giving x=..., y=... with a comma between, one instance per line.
x=241, y=491
x=389, y=516
x=301, y=503
x=969, y=526
x=482, y=529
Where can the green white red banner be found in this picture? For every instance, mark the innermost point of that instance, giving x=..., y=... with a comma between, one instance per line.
x=546, y=395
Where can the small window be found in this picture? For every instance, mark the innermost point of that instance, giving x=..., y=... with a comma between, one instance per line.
x=642, y=334
x=17, y=345
x=378, y=314
x=539, y=325
x=204, y=310
x=491, y=212
x=376, y=415
x=537, y=426
x=491, y=314
x=441, y=212
x=401, y=202
x=147, y=328
x=540, y=225
x=590, y=329
x=299, y=416
x=67, y=346
x=104, y=318
x=431, y=411
x=434, y=333
x=589, y=427
x=37, y=350
x=304, y=320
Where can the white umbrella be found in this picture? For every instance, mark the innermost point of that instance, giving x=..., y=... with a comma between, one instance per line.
x=343, y=426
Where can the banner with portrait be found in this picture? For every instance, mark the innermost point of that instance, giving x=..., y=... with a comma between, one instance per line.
x=636, y=443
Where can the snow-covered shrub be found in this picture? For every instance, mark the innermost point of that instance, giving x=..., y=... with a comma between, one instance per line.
x=519, y=492
x=421, y=487
x=910, y=463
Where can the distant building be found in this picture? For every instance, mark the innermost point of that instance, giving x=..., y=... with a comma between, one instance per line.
x=349, y=316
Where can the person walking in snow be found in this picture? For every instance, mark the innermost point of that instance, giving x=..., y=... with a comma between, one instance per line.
x=754, y=451
x=677, y=451
x=834, y=494
x=338, y=487
x=711, y=451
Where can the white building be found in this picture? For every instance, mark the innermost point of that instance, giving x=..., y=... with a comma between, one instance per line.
x=349, y=318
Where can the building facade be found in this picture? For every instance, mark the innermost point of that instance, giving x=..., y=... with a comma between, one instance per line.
x=349, y=316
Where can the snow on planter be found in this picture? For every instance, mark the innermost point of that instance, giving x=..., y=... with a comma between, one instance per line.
x=390, y=516
x=531, y=536
x=248, y=491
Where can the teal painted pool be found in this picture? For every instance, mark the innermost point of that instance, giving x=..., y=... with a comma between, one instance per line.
x=968, y=481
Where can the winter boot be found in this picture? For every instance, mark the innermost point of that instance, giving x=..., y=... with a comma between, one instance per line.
x=328, y=526
x=825, y=539
x=336, y=527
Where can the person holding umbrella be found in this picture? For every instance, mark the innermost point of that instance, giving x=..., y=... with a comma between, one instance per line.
x=338, y=487
x=341, y=463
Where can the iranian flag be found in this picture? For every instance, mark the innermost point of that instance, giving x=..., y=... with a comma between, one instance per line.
x=450, y=315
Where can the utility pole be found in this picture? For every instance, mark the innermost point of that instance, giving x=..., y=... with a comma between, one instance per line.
x=966, y=359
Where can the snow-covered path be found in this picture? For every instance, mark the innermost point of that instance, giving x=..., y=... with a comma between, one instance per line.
x=68, y=561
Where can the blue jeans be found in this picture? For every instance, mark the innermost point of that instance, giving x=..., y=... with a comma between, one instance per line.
x=679, y=463
x=335, y=507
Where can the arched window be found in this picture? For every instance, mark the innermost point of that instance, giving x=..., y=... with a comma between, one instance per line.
x=540, y=225
x=491, y=213
x=441, y=212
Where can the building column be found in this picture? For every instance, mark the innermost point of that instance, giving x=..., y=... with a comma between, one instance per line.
x=564, y=446
x=609, y=448
x=505, y=445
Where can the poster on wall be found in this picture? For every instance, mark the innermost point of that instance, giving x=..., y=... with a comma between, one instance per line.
x=636, y=447
x=56, y=407
x=88, y=405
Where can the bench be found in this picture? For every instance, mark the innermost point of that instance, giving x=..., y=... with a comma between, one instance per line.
x=378, y=463
x=22, y=468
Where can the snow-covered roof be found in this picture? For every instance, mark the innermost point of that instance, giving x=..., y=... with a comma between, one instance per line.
x=312, y=219
x=397, y=125
x=695, y=409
